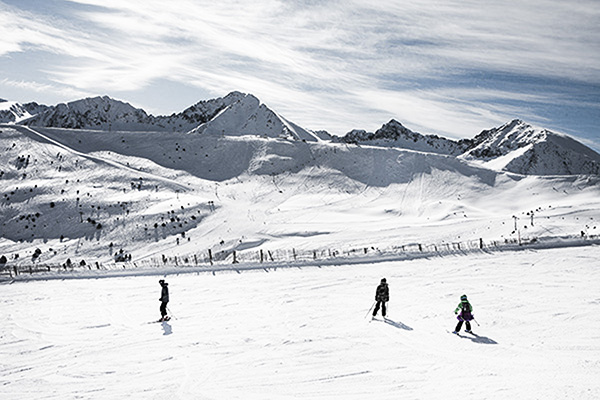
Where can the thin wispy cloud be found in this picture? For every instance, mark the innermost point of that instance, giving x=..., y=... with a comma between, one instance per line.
x=450, y=67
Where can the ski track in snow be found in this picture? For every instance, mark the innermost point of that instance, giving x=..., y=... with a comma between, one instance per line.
x=302, y=333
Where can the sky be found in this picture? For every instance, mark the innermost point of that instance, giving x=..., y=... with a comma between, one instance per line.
x=451, y=68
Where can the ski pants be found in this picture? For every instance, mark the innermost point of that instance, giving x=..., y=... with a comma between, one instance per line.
x=459, y=325
x=163, y=308
x=379, y=304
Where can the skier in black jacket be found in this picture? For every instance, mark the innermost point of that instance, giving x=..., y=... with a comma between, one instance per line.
x=164, y=299
x=382, y=296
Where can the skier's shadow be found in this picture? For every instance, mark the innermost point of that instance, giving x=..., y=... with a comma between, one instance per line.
x=167, y=328
x=395, y=324
x=480, y=339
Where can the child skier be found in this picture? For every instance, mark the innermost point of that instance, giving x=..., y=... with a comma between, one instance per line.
x=465, y=315
x=382, y=296
x=164, y=299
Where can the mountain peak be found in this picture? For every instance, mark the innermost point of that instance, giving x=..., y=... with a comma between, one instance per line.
x=525, y=149
x=245, y=114
x=394, y=134
x=100, y=112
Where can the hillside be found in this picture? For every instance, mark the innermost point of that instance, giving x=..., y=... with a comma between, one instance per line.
x=87, y=194
x=98, y=178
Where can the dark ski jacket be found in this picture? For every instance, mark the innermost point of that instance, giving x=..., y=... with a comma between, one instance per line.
x=164, y=295
x=382, y=293
x=464, y=306
x=465, y=309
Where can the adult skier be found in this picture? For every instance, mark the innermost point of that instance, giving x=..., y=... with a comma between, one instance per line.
x=464, y=311
x=164, y=299
x=382, y=296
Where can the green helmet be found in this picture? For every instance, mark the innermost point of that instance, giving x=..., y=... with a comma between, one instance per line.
x=463, y=298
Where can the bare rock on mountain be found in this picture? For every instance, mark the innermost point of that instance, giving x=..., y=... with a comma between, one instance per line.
x=523, y=149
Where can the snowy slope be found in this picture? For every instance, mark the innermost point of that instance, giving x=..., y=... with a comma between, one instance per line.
x=302, y=333
x=86, y=194
x=521, y=148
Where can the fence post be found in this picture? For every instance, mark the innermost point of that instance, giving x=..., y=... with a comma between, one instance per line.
x=261, y=256
x=210, y=256
x=270, y=255
x=480, y=243
x=420, y=247
x=234, y=258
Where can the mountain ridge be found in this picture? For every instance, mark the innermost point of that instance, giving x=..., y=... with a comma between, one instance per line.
x=515, y=146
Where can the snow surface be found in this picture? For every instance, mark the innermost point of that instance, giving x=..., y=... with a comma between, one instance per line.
x=180, y=194
x=303, y=332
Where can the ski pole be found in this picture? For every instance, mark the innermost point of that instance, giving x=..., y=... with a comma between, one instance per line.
x=476, y=321
x=172, y=315
x=368, y=312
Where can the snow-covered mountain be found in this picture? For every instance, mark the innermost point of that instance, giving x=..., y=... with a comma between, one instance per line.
x=233, y=115
x=521, y=148
x=197, y=114
x=102, y=113
x=513, y=147
x=394, y=134
x=13, y=112
x=246, y=115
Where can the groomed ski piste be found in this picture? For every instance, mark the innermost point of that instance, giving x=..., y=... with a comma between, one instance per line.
x=305, y=332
